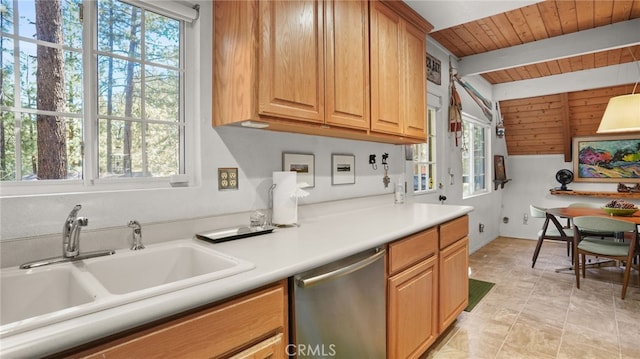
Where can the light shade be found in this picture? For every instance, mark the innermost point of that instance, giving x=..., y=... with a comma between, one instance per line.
x=622, y=114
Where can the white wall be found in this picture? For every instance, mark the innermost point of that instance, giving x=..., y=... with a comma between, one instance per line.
x=486, y=206
x=532, y=177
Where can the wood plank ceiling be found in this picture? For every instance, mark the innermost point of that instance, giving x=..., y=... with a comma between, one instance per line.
x=545, y=124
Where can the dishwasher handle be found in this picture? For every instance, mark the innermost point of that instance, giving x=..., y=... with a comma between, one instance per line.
x=307, y=282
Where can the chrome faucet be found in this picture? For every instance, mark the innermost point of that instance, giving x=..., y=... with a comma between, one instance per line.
x=137, y=235
x=70, y=243
x=71, y=233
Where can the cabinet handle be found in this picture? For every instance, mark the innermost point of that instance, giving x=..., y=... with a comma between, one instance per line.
x=307, y=282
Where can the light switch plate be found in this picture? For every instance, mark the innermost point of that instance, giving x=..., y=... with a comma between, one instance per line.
x=227, y=178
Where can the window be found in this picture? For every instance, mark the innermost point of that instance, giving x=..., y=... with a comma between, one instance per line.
x=75, y=108
x=475, y=156
x=424, y=158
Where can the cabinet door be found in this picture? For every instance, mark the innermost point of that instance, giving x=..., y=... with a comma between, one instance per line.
x=415, y=119
x=347, y=63
x=412, y=311
x=208, y=333
x=291, y=60
x=387, y=81
x=454, y=281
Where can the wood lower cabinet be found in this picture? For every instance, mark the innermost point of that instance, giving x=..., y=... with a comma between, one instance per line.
x=412, y=307
x=250, y=326
x=272, y=348
x=427, y=286
x=412, y=310
x=454, y=270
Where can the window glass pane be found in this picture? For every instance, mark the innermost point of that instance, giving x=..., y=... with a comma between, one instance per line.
x=120, y=148
x=119, y=28
x=26, y=19
x=6, y=16
x=118, y=87
x=73, y=81
x=7, y=98
x=72, y=27
x=162, y=92
x=163, y=149
x=30, y=13
x=474, y=156
x=63, y=149
x=8, y=157
x=29, y=147
x=62, y=95
x=28, y=71
x=162, y=36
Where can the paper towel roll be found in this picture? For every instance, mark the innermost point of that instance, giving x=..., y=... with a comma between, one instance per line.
x=285, y=203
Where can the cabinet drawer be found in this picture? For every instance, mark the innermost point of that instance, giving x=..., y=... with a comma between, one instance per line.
x=453, y=230
x=208, y=333
x=410, y=250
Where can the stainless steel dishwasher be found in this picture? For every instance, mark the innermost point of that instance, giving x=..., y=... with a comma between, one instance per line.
x=338, y=310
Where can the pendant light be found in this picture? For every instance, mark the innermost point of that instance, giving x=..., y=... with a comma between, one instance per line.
x=623, y=112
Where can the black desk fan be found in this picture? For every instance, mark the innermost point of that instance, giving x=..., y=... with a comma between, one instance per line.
x=564, y=177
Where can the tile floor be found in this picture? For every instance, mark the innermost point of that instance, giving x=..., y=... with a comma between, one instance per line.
x=538, y=313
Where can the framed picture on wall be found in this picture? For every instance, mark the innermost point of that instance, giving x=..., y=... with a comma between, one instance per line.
x=434, y=70
x=500, y=171
x=606, y=158
x=303, y=164
x=343, y=169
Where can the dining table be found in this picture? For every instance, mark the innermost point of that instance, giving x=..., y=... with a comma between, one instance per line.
x=572, y=212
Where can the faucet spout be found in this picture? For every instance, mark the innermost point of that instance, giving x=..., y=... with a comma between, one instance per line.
x=71, y=233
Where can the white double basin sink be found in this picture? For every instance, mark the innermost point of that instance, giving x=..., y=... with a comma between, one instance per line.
x=33, y=298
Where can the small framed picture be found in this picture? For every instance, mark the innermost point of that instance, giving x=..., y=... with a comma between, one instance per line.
x=303, y=164
x=499, y=169
x=343, y=169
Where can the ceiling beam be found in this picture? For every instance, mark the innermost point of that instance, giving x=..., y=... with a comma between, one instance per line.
x=628, y=73
x=618, y=35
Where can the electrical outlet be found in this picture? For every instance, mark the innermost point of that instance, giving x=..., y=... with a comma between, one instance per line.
x=227, y=178
x=525, y=218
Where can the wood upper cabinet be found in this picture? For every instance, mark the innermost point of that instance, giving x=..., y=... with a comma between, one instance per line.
x=347, y=63
x=398, y=73
x=304, y=66
x=302, y=61
x=291, y=60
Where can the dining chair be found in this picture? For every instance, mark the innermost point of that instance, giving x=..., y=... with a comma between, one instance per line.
x=621, y=247
x=554, y=232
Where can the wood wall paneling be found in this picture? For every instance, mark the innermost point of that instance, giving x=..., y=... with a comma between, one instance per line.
x=547, y=124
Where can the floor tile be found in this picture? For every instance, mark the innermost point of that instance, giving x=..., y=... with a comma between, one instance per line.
x=539, y=312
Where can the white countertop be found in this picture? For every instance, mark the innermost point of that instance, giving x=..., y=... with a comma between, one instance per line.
x=327, y=232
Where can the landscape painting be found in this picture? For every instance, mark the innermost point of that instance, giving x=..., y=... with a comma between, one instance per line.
x=607, y=159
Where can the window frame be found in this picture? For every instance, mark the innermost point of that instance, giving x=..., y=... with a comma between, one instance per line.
x=432, y=154
x=473, y=122
x=190, y=103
